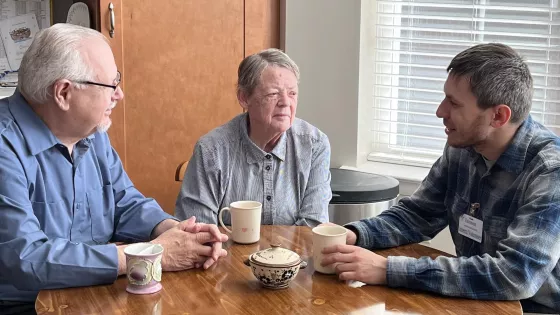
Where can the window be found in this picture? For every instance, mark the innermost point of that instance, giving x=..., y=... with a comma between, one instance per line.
x=416, y=40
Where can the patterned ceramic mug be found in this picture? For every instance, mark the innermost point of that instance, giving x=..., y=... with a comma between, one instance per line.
x=143, y=268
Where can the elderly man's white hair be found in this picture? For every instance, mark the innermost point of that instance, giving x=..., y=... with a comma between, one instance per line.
x=54, y=54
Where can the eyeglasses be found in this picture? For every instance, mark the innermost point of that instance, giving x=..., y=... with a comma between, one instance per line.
x=114, y=87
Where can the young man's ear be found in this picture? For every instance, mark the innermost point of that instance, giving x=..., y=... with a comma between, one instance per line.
x=243, y=99
x=61, y=94
x=501, y=115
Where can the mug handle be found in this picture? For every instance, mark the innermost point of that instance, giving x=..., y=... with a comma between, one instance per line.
x=220, y=219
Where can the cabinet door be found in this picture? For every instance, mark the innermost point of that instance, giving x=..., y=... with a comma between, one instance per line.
x=117, y=130
x=179, y=63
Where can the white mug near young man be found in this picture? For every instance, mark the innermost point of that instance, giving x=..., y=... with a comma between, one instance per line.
x=325, y=236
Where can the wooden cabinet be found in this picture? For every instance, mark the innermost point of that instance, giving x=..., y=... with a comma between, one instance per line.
x=179, y=63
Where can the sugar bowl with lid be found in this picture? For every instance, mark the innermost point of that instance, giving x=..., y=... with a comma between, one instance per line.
x=275, y=267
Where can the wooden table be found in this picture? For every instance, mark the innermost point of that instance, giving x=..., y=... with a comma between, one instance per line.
x=230, y=288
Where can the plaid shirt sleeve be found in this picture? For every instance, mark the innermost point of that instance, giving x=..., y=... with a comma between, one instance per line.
x=519, y=268
x=417, y=218
x=525, y=258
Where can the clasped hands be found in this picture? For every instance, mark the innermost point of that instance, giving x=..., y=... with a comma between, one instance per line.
x=191, y=245
x=355, y=263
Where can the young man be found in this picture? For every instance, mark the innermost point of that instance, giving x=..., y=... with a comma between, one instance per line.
x=496, y=186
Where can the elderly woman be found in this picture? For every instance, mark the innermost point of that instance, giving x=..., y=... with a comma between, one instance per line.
x=264, y=154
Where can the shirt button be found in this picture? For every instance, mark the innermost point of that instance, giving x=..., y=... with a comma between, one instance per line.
x=268, y=198
x=268, y=156
x=267, y=167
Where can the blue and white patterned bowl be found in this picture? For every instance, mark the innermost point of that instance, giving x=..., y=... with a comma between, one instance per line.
x=275, y=267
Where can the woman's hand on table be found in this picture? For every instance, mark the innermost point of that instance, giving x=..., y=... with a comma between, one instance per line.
x=356, y=263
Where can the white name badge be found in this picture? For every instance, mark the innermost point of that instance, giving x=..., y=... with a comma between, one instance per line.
x=470, y=227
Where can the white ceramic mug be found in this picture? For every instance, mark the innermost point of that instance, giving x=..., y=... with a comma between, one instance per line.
x=325, y=236
x=245, y=221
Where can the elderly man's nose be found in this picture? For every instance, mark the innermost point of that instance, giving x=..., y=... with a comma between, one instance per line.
x=119, y=94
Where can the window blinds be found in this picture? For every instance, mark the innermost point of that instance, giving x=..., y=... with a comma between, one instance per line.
x=416, y=40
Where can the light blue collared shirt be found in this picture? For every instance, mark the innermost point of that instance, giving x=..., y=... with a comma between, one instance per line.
x=292, y=181
x=57, y=213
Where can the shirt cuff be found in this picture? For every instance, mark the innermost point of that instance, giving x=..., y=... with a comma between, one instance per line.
x=156, y=217
x=362, y=234
x=400, y=270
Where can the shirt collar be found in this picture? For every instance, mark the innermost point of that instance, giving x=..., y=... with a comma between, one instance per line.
x=256, y=154
x=513, y=159
x=38, y=137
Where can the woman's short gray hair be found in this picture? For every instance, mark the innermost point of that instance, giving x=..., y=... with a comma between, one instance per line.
x=251, y=68
x=498, y=75
x=54, y=54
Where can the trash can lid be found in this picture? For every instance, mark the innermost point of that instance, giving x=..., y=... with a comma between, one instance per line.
x=350, y=186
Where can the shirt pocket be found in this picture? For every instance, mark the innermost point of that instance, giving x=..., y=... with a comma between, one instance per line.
x=53, y=218
x=101, y=207
x=457, y=206
x=495, y=230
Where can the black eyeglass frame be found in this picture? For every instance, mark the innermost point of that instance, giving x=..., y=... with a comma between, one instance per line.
x=114, y=87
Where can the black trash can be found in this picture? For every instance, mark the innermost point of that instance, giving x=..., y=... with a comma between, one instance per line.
x=359, y=195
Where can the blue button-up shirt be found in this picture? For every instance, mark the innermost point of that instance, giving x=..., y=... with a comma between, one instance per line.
x=292, y=181
x=519, y=197
x=57, y=213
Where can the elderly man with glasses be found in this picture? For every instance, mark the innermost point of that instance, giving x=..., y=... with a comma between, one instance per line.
x=65, y=198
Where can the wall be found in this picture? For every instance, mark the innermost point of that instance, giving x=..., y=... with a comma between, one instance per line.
x=323, y=38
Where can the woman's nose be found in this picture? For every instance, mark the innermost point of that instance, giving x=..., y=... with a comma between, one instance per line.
x=283, y=98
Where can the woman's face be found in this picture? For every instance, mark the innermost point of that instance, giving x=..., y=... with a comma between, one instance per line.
x=272, y=106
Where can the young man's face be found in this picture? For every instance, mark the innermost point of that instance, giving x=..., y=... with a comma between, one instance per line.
x=466, y=124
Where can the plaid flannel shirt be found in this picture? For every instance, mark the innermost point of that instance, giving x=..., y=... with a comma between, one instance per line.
x=519, y=197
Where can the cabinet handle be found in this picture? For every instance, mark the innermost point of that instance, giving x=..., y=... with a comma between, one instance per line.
x=112, y=19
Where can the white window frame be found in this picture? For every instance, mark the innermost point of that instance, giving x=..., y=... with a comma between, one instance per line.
x=367, y=52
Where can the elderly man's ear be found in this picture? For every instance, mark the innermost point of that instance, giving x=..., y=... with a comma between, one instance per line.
x=61, y=94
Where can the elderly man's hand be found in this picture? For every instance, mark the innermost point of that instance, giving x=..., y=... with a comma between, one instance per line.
x=185, y=250
x=191, y=226
x=350, y=235
x=356, y=263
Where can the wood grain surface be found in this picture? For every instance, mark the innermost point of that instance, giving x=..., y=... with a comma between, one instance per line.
x=230, y=288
